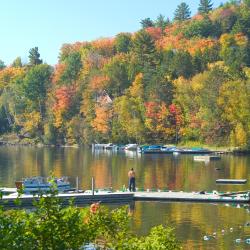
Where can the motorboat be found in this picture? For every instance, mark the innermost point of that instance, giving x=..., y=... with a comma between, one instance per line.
x=131, y=146
x=41, y=184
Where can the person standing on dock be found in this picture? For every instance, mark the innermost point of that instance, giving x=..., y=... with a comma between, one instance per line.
x=131, y=177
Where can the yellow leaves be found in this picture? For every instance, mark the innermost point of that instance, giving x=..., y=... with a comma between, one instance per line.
x=228, y=40
x=241, y=39
x=136, y=90
x=9, y=74
x=198, y=81
x=30, y=121
x=240, y=135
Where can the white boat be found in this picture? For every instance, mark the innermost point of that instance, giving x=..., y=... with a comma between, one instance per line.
x=42, y=184
x=110, y=146
x=131, y=146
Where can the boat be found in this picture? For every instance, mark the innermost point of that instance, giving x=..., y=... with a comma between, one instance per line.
x=156, y=149
x=131, y=146
x=41, y=184
x=110, y=146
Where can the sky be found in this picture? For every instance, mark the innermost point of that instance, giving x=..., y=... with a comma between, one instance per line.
x=48, y=24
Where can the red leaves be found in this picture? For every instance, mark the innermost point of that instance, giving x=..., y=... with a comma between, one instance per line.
x=154, y=32
x=63, y=96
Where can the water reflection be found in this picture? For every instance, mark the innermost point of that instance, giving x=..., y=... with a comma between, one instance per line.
x=192, y=221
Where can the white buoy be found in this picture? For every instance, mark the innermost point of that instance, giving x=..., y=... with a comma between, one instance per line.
x=206, y=237
x=231, y=229
x=222, y=231
x=214, y=233
x=248, y=241
x=238, y=240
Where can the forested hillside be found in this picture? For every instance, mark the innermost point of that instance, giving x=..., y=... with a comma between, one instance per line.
x=175, y=81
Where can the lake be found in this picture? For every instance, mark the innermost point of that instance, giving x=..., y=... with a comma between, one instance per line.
x=192, y=221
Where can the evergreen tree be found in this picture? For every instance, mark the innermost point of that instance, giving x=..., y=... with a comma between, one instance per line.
x=34, y=56
x=147, y=22
x=144, y=48
x=205, y=6
x=161, y=22
x=2, y=65
x=123, y=42
x=182, y=12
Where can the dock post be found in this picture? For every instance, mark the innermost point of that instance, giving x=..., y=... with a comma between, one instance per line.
x=77, y=184
x=93, y=185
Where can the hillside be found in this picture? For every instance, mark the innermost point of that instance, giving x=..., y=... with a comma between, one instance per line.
x=170, y=82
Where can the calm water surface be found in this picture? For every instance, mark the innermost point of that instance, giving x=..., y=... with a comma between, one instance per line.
x=192, y=221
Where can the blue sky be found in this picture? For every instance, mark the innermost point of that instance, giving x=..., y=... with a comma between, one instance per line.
x=48, y=24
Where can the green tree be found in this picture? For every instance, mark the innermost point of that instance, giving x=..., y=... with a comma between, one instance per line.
x=147, y=22
x=182, y=12
x=73, y=66
x=2, y=65
x=144, y=49
x=34, y=57
x=35, y=86
x=161, y=22
x=205, y=6
x=17, y=63
x=182, y=64
x=123, y=42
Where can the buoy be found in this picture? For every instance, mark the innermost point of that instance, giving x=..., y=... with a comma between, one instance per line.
x=214, y=233
x=94, y=207
x=248, y=241
x=238, y=240
x=222, y=231
x=231, y=229
x=206, y=237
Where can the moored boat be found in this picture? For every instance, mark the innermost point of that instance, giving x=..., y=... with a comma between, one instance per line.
x=42, y=184
x=131, y=146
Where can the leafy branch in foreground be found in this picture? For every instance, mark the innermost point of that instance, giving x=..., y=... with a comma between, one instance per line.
x=52, y=226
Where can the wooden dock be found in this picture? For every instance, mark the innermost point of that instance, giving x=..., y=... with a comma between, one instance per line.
x=82, y=199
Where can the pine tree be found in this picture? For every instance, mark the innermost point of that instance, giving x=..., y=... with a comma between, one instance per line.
x=182, y=12
x=205, y=6
x=161, y=22
x=147, y=22
x=34, y=56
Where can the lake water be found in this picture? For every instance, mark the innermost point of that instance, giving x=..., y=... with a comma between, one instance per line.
x=192, y=221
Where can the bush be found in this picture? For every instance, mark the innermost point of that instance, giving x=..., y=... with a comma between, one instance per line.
x=52, y=226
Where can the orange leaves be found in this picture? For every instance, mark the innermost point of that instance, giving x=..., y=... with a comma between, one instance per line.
x=102, y=119
x=63, y=100
x=105, y=46
x=58, y=72
x=63, y=96
x=154, y=32
x=98, y=83
x=178, y=42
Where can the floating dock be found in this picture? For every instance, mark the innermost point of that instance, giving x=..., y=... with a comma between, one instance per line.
x=206, y=158
x=231, y=181
x=129, y=197
x=198, y=197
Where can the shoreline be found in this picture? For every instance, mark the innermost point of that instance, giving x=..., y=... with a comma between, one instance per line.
x=215, y=149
